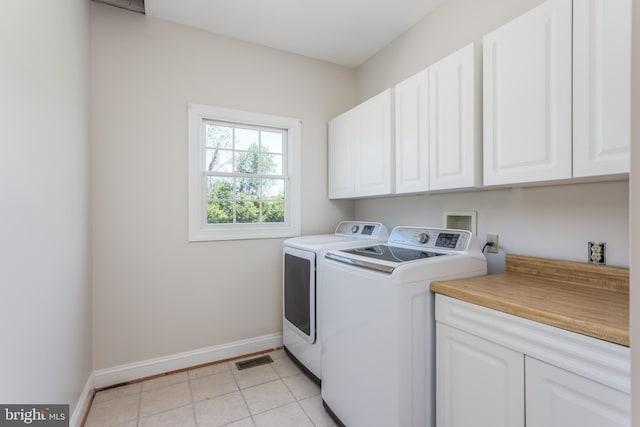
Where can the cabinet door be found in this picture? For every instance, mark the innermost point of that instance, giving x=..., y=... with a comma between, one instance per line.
x=454, y=121
x=412, y=138
x=374, y=143
x=558, y=398
x=527, y=97
x=478, y=383
x=340, y=157
x=601, y=86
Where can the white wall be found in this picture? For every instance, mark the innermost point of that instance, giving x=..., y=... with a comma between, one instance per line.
x=45, y=302
x=555, y=221
x=635, y=215
x=155, y=294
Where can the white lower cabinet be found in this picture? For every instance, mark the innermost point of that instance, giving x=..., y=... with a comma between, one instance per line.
x=559, y=398
x=478, y=383
x=498, y=370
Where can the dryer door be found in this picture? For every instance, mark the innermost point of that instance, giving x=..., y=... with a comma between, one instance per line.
x=299, y=299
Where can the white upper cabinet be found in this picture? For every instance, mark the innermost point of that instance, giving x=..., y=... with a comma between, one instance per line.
x=601, y=86
x=546, y=99
x=438, y=123
x=340, y=170
x=412, y=134
x=545, y=119
x=527, y=97
x=360, y=150
x=455, y=123
x=374, y=148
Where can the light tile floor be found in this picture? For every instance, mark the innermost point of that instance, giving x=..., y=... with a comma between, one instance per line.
x=273, y=395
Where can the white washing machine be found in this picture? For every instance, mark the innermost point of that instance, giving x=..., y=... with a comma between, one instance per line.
x=378, y=338
x=302, y=283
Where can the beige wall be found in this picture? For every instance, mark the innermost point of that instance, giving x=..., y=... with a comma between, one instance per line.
x=45, y=302
x=450, y=27
x=552, y=222
x=154, y=293
x=556, y=221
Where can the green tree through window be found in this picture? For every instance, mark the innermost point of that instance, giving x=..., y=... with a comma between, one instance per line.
x=245, y=180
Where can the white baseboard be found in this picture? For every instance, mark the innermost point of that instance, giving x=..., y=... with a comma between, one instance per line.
x=146, y=368
x=83, y=403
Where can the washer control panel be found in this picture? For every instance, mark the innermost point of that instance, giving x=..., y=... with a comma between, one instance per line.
x=431, y=238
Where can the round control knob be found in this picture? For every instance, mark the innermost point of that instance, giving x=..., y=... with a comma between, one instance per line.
x=355, y=229
x=423, y=238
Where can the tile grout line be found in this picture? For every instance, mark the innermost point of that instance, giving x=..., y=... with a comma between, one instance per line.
x=243, y=398
x=139, y=407
x=193, y=401
x=142, y=391
x=279, y=378
x=281, y=375
x=163, y=412
x=298, y=401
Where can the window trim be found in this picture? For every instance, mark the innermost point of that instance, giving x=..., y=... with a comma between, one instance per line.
x=199, y=230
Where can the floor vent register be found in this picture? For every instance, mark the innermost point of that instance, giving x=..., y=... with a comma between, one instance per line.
x=256, y=361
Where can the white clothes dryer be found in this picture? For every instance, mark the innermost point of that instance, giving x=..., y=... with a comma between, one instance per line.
x=302, y=287
x=378, y=338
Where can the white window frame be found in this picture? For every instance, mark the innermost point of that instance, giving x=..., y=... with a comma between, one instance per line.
x=199, y=230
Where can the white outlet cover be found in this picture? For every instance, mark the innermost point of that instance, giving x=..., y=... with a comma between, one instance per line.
x=597, y=253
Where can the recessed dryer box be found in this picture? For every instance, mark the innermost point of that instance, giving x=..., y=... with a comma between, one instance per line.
x=461, y=220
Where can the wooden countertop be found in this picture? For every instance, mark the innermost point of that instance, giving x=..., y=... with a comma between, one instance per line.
x=585, y=298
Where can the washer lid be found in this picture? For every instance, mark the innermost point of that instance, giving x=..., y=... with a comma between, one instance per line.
x=406, y=245
x=383, y=258
x=392, y=253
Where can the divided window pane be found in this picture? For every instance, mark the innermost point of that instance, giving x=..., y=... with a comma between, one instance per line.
x=244, y=174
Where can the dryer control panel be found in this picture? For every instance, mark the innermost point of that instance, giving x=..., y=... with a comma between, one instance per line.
x=365, y=230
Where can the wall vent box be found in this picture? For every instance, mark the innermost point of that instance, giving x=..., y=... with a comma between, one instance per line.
x=461, y=221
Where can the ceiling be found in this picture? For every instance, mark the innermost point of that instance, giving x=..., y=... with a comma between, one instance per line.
x=345, y=32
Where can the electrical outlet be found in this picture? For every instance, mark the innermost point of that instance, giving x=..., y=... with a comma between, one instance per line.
x=597, y=253
x=492, y=238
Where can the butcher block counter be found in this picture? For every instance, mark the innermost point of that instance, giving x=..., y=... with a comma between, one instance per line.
x=585, y=298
